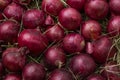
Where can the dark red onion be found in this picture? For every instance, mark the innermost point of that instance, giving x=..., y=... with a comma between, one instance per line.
x=34, y=40
x=9, y=31
x=52, y=7
x=70, y=18
x=4, y=3
x=82, y=65
x=49, y=21
x=1, y=69
x=33, y=71
x=33, y=18
x=96, y=9
x=55, y=33
x=14, y=61
x=114, y=26
x=60, y=74
x=77, y=4
x=91, y=30
x=73, y=43
x=114, y=6
x=12, y=77
x=54, y=57
x=95, y=77
x=14, y=11
x=102, y=49
x=22, y=2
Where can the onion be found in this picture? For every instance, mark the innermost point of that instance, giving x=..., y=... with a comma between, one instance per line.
x=9, y=31
x=114, y=6
x=73, y=43
x=33, y=71
x=1, y=70
x=60, y=74
x=15, y=60
x=34, y=40
x=70, y=18
x=4, y=3
x=12, y=77
x=95, y=77
x=96, y=9
x=77, y=4
x=22, y=2
x=49, y=21
x=33, y=18
x=82, y=65
x=91, y=30
x=52, y=7
x=54, y=57
x=14, y=11
x=114, y=26
x=55, y=33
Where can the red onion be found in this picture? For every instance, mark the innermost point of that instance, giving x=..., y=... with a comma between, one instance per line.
x=77, y=4
x=22, y=2
x=95, y=77
x=52, y=7
x=114, y=6
x=4, y=3
x=60, y=74
x=34, y=40
x=73, y=43
x=14, y=11
x=9, y=31
x=54, y=57
x=1, y=69
x=114, y=26
x=91, y=30
x=82, y=65
x=55, y=33
x=89, y=47
x=49, y=21
x=70, y=18
x=33, y=71
x=15, y=60
x=12, y=77
x=33, y=18
x=96, y=9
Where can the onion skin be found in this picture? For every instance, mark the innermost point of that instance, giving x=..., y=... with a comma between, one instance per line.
x=33, y=71
x=22, y=2
x=73, y=43
x=72, y=20
x=82, y=65
x=12, y=77
x=55, y=33
x=95, y=77
x=9, y=31
x=114, y=26
x=114, y=6
x=52, y=7
x=96, y=9
x=54, y=57
x=33, y=18
x=77, y=4
x=60, y=74
x=14, y=11
x=4, y=3
x=34, y=40
x=91, y=30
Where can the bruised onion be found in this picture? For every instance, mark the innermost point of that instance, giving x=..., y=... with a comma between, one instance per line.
x=73, y=43
x=33, y=71
x=91, y=29
x=70, y=18
x=14, y=11
x=82, y=65
x=55, y=33
x=12, y=77
x=96, y=9
x=4, y=3
x=52, y=7
x=15, y=60
x=77, y=4
x=22, y=2
x=60, y=74
x=95, y=77
x=34, y=40
x=54, y=57
x=33, y=18
x=9, y=31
